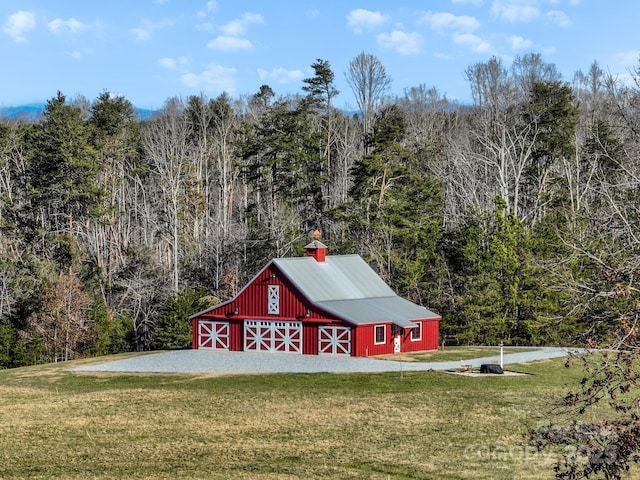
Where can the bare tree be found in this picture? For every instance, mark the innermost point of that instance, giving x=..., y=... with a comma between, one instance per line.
x=526, y=70
x=165, y=142
x=369, y=82
x=491, y=89
x=62, y=320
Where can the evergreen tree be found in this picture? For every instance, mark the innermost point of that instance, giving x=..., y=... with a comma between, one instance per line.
x=63, y=168
x=395, y=209
x=173, y=328
x=552, y=113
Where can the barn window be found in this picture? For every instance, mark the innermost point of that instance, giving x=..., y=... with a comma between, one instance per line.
x=273, y=298
x=416, y=333
x=380, y=334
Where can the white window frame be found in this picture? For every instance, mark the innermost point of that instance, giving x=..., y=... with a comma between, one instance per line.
x=384, y=334
x=273, y=299
x=418, y=327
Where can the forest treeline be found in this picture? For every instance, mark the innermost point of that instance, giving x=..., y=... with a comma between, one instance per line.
x=515, y=218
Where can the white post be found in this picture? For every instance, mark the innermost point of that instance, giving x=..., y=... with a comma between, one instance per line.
x=501, y=355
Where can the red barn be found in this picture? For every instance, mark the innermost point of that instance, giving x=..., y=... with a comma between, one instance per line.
x=317, y=304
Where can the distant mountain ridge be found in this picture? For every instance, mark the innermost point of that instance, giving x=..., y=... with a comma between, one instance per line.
x=33, y=111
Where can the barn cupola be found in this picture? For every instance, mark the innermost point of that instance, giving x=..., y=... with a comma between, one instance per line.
x=316, y=248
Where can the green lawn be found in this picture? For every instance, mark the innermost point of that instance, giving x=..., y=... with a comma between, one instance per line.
x=56, y=424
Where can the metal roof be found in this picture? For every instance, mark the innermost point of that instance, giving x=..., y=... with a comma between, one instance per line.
x=339, y=277
x=378, y=310
x=348, y=287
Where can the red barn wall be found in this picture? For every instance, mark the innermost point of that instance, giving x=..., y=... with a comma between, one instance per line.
x=428, y=341
x=431, y=329
x=309, y=339
x=363, y=339
x=236, y=335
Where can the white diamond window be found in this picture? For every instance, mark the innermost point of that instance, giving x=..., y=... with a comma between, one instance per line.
x=273, y=297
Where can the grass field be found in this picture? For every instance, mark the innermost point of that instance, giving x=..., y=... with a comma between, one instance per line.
x=423, y=425
x=454, y=354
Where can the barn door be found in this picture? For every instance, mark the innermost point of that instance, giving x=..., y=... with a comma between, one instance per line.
x=213, y=335
x=397, y=344
x=269, y=336
x=334, y=340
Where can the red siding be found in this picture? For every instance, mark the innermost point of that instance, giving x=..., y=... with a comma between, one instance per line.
x=309, y=339
x=236, y=335
x=363, y=339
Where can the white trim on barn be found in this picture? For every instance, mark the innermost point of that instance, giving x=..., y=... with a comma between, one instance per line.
x=273, y=337
x=213, y=335
x=416, y=333
x=334, y=340
x=382, y=328
x=273, y=296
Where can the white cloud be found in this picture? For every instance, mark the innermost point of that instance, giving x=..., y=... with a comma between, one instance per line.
x=628, y=58
x=514, y=11
x=519, y=43
x=215, y=78
x=143, y=33
x=239, y=26
x=230, y=44
x=59, y=26
x=561, y=18
x=473, y=41
x=173, y=63
x=361, y=19
x=447, y=21
x=401, y=42
x=168, y=63
x=210, y=7
x=18, y=24
x=281, y=75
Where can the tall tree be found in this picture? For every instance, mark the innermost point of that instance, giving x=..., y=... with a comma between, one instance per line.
x=529, y=69
x=165, y=141
x=552, y=113
x=115, y=138
x=62, y=172
x=394, y=208
x=283, y=165
x=369, y=83
x=321, y=92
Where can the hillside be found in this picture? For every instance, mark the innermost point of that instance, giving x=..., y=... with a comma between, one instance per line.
x=33, y=111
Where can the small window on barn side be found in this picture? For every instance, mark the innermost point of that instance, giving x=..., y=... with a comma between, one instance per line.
x=273, y=299
x=416, y=333
x=380, y=334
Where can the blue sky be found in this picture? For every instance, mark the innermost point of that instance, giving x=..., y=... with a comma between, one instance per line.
x=150, y=50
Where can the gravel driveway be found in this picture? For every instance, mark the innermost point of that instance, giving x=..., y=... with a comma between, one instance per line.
x=209, y=361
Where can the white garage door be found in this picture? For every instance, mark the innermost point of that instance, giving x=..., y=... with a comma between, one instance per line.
x=267, y=336
x=213, y=335
x=334, y=340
